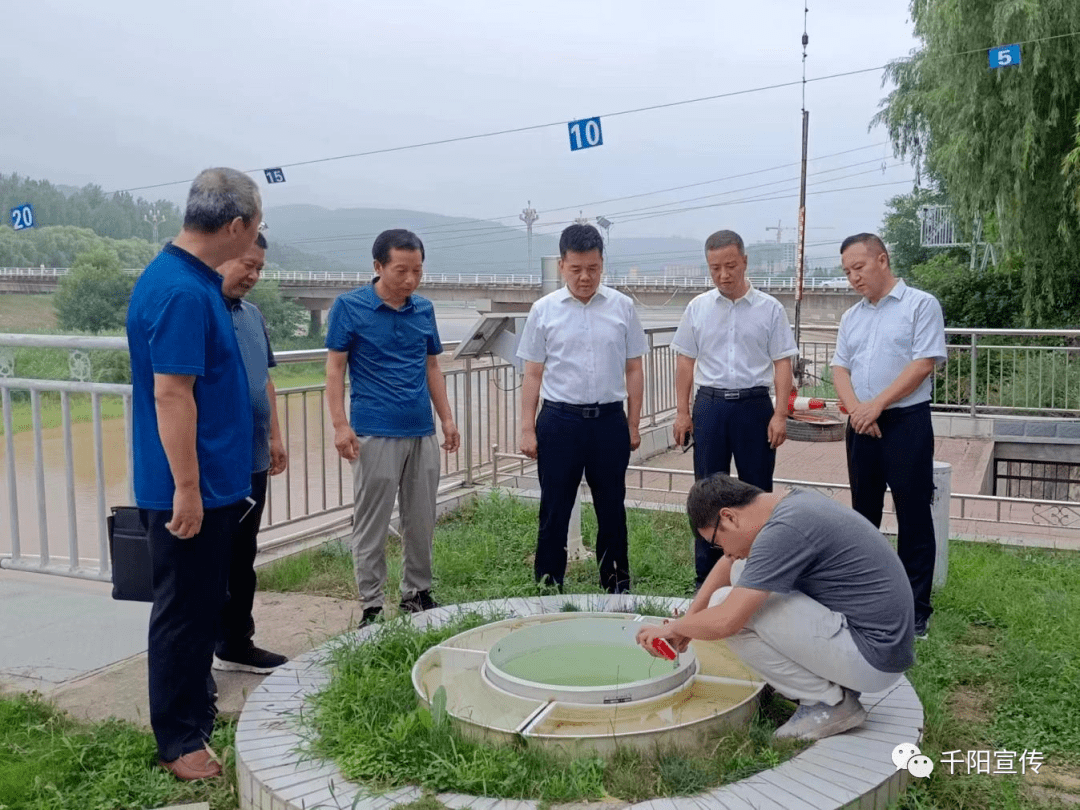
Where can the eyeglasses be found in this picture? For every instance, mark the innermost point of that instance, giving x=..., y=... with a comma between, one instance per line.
x=263, y=227
x=715, y=529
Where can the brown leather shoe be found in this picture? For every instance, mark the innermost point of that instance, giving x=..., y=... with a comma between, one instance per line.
x=194, y=765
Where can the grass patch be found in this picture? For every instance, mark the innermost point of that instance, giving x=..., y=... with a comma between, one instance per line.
x=23, y=314
x=367, y=721
x=50, y=762
x=496, y=535
x=1000, y=672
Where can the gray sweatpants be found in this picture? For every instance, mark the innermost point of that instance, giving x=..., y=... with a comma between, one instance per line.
x=385, y=469
x=803, y=649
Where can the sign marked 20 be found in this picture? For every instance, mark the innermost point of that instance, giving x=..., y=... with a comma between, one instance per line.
x=22, y=216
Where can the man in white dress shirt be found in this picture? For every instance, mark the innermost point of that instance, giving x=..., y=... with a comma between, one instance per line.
x=732, y=342
x=886, y=350
x=582, y=346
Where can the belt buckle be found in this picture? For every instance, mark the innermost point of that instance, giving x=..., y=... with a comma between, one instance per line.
x=590, y=412
x=731, y=394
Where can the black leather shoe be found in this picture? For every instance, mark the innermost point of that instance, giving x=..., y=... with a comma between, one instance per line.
x=419, y=602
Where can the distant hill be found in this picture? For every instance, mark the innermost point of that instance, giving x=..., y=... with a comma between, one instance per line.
x=343, y=237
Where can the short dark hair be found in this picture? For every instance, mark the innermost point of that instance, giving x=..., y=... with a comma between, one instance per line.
x=723, y=239
x=871, y=240
x=395, y=238
x=260, y=241
x=709, y=495
x=580, y=239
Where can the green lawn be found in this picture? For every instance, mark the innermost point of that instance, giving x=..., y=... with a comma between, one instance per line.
x=26, y=314
x=1000, y=671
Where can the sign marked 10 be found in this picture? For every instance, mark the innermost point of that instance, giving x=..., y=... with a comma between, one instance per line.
x=274, y=175
x=585, y=133
x=22, y=216
x=1005, y=56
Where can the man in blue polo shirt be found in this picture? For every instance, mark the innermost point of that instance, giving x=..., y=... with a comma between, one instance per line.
x=236, y=651
x=192, y=434
x=388, y=339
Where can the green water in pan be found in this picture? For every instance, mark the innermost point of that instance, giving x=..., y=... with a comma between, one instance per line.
x=586, y=664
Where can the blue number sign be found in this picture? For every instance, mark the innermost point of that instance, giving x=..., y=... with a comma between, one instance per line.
x=1005, y=56
x=22, y=216
x=585, y=133
x=274, y=175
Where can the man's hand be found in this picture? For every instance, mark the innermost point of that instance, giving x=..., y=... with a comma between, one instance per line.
x=348, y=446
x=528, y=442
x=451, y=437
x=863, y=415
x=649, y=632
x=279, y=459
x=683, y=424
x=635, y=437
x=187, y=513
x=777, y=430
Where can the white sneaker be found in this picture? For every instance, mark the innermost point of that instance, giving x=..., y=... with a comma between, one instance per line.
x=813, y=721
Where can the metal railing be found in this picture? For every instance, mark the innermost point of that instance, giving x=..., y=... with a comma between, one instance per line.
x=67, y=444
x=639, y=282
x=980, y=517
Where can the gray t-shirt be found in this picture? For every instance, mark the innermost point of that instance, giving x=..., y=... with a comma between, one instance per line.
x=835, y=556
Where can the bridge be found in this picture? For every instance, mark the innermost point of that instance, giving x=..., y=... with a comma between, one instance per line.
x=824, y=300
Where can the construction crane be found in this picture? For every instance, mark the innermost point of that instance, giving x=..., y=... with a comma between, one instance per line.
x=779, y=228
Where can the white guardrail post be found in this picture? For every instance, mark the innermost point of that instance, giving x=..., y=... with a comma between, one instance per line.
x=940, y=508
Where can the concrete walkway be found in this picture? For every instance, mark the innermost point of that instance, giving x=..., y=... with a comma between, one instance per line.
x=69, y=640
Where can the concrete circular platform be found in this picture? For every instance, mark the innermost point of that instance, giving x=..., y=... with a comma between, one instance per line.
x=852, y=770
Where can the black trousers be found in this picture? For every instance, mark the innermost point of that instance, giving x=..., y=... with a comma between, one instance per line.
x=190, y=578
x=237, y=623
x=903, y=459
x=726, y=428
x=569, y=444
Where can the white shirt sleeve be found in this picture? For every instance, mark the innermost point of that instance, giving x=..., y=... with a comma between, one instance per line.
x=842, y=353
x=637, y=344
x=929, y=337
x=685, y=340
x=533, y=345
x=781, y=339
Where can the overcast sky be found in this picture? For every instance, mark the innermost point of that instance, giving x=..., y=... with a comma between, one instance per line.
x=125, y=94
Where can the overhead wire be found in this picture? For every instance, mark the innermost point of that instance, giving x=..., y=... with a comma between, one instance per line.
x=614, y=114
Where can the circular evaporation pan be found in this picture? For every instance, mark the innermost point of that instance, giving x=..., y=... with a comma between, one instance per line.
x=583, y=660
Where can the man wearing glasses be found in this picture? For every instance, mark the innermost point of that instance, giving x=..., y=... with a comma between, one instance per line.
x=808, y=593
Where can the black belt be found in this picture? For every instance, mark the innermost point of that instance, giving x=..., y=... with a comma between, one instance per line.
x=585, y=411
x=734, y=393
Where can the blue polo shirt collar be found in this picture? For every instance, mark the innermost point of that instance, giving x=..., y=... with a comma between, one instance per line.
x=194, y=261
x=371, y=299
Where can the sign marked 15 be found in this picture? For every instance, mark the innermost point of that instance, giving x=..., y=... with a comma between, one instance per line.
x=585, y=133
x=274, y=175
x=22, y=216
x=1005, y=56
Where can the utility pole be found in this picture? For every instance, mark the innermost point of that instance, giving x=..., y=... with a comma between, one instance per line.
x=153, y=218
x=581, y=218
x=529, y=216
x=800, y=257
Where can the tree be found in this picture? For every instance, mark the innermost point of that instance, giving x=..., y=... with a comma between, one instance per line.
x=284, y=319
x=997, y=137
x=970, y=297
x=93, y=296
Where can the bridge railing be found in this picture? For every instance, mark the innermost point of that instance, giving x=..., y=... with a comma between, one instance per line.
x=67, y=443
x=468, y=280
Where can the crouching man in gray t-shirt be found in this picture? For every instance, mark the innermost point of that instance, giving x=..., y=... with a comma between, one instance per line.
x=808, y=593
